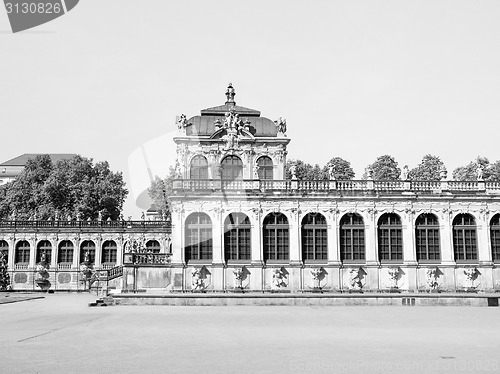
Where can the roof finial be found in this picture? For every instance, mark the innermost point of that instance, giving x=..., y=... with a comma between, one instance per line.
x=230, y=94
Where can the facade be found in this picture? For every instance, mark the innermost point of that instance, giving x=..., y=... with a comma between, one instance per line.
x=240, y=224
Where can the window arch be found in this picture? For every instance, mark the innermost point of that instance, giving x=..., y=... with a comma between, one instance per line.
x=237, y=243
x=87, y=246
x=495, y=237
x=4, y=248
x=276, y=237
x=232, y=168
x=352, y=237
x=153, y=246
x=198, y=245
x=44, y=246
x=314, y=237
x=109, y=252
x=390, y=238
x=22, y=252
x=464, y=238
x=65, y=252
x=266, y=168
x=199, y=167
x=427, y=237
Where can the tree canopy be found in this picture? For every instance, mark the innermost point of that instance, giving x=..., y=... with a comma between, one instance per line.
x=340, y=168
x=161, y=190
x=384, y=168
x=305, y=171
x=471, y=171
x=73, y=188
x=428, y=170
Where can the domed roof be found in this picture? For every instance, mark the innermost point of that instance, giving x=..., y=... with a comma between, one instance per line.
x=204, y=124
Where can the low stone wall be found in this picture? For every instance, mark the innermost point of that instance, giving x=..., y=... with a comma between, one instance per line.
x=305, y=300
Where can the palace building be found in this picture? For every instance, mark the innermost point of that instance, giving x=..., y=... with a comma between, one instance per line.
x=239, y=224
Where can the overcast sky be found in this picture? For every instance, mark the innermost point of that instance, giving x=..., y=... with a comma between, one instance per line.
x=355, y=79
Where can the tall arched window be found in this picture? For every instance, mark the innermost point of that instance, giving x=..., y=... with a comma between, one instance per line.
x=314, y=238
x=87, y=246
x=153, y=246
x=237, y=237
x=198, y=241
x=65, y=252
x=276, y=237
x=464, y=238
x=265, y=168
x=427, y=237
x=390, y=238
x=4, y=248
x=109, y=252
x=44, y=246
x=495, y=237
x=352, y=238
x=232, y=168
x=199, y=167
x=22, y=252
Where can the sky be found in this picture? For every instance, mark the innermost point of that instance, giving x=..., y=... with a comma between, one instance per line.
x=354, y=79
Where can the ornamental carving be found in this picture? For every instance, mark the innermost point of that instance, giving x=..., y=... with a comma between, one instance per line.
x=432, y=278
x=279, y=277
x=394, y=276
x=355, y=279
x=281, y=126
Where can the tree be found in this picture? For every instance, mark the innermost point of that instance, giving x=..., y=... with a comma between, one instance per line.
x=305, y=171
x=384, y=168
x=470, y=171
x=428, y=170
x=74, y=187
x=161, y=190
x=341, y=168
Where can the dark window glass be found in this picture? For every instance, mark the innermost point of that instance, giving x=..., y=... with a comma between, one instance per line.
x=232, y=168
x=276, y=237
x=427, y=238
x=44, y=246
x=237, y=237
x=390, y=238
x=153, y=246
x=198, y=240
x=352, y=238
x=109, y=252
x=4, y=248
x=22, y=252
x=87, y=246
x=495, y=237
x=265, y=168
x=65, y=252
x=199, y=168
x=314, y=238
x=464, y=238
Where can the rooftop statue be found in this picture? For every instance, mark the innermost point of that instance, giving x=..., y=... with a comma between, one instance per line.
x=281, y=125
x=230, y=93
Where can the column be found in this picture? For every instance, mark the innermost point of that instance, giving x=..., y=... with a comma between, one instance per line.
x=98, y=252
x=12, y=253
x=409, y=246
x=483, y=240
x=53, y=254
x=32, y=263
x=371, y=240
x=294, y=232
x=333, y=240
x=256, y=238
x=217, y=240
x=446, y=235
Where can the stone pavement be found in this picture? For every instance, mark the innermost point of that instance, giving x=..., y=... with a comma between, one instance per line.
x=61, y=334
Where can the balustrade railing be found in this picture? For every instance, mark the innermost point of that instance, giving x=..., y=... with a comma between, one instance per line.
x=340, y=185
x=151, y=258
x=84, y=224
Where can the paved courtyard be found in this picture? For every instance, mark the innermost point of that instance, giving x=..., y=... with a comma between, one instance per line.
x=60, y=334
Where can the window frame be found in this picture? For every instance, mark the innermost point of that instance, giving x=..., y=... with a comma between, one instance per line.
x=314, y=238
x=394, y=233
x=459, y=232
x=198, y=232
x=276, y=235
x=430, y=232
x=352, y=227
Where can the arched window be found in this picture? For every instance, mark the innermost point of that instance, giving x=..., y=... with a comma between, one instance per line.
x=153, y=246
x=198, y=245
x=276, y=237
x=22, y=252
x=232, y=168
x=109, y=252
x=265, y=168
x=427, y=237
x=390, y=238
x=4, y=248
x=199, y=167
x=495, y=237
x=464, y=238
x=237, y=237
x=44, y=246
x=314, y=238
x=87, y=246
x=352, y=238
x=65, y=252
